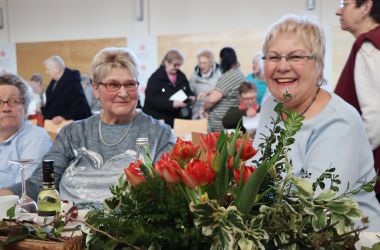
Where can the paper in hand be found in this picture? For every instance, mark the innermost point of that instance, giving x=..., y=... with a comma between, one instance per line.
x=180, y=96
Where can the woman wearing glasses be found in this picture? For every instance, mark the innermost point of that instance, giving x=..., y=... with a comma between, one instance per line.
x=89, y=155
x=167, y=80
x=19, y=139
x=359, y=81
x=333, y=134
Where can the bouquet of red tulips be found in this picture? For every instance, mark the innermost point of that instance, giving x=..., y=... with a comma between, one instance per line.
x=211, y=196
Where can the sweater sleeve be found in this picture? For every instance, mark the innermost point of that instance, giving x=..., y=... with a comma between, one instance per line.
x=367, y=75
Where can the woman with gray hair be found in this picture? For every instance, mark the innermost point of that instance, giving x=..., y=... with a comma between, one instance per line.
x=19, y=139
x=90, y=155
x=333, y=133
x=257, y=77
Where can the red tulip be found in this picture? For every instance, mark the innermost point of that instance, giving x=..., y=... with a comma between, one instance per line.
x=134, y=174
x=168, y=169
x=197, y=173
x=209, y=141
x=184, y=150
x=248, y=171
x=248, y=151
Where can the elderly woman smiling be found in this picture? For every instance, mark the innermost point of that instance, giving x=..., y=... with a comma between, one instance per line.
x=90, y=154
x=333, y=133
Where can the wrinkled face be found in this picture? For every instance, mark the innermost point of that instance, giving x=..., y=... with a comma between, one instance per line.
x=52, y=70
x=118, y=106
x=248, y=99
x=11, y=117
x=350, y=16
x=205, y=64
x=172, y=67
x=297, y=77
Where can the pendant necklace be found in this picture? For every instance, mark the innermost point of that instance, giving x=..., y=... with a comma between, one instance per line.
x=311, y=103
x=119, y=140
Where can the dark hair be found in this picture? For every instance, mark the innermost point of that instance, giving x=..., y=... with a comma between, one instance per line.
x=246, y=87
x=36, y=78
x=375, y=10
x=228, y=59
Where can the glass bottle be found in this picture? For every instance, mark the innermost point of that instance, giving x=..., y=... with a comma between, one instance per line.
x=141, y=149
x=48, y=201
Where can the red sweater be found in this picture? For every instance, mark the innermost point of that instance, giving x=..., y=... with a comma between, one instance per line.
x=346, y=83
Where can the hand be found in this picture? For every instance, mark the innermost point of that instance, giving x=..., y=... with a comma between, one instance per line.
x=4, y=192
x=251, y=112
x=178, y=104
x=58, y=120
x=193, y=98
x=203, y=95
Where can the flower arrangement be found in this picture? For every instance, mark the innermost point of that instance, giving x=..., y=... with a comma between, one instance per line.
x=185, y=201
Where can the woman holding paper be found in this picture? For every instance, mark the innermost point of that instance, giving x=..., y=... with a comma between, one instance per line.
x=168, y=95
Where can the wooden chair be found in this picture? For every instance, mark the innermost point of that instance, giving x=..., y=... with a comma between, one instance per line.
x=195, y=138
x=183, y=127
x=54, y=129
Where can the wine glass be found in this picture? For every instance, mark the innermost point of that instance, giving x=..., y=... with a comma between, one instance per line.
x=25, y=204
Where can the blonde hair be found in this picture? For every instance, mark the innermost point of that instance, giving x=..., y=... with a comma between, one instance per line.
x=304, y=29
x=113, y=58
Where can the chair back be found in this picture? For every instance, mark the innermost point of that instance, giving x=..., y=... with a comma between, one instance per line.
x=53, y=129
x=183, y=127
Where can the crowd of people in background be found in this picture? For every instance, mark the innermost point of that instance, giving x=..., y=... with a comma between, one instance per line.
x=108, y=117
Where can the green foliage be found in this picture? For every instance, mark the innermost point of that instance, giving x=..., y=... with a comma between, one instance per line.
x=272, y=210
x=148, y=216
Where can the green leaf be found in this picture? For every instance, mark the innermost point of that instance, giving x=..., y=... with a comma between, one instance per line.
x=326, y=195
x=304, y=186
x=339, y=206
x=319, y=220
x=11, y=212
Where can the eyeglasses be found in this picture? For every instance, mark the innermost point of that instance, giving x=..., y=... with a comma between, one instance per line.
x=292, y=59
x=344, y=4
x=115, y=86
x=12, y=102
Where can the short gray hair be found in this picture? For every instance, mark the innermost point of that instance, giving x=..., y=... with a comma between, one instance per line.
x=57, y=61
x=14, y=80
x=114, y=58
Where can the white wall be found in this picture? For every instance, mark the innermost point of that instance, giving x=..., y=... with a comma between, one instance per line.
x=52, y=20
x=46, y=20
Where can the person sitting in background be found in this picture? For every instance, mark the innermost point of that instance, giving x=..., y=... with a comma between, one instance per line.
x=65, y=99
x=35, y=85
x=359, y=83
x=19, y=139
x=203, y=79
x=246, y=112
x=333, y=133
x=89, y=93
x=225, y=94
x=167, y=80
x=257, y=77
x=90, y=155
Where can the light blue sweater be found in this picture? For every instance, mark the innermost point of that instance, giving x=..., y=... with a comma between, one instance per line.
x=336, y=137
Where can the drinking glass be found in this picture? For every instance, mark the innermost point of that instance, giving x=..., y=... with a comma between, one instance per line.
x=25, y=204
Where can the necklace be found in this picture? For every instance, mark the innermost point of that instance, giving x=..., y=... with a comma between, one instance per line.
x=118, y=141
x=311, y=103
